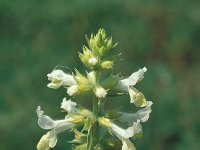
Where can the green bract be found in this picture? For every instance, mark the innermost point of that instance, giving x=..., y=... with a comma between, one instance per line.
x=96, y=128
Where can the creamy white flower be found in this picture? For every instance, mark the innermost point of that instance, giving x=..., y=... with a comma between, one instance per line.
x=93, y=61
x=142, y=115
x=126, y=133
x=131, y=80
x=137, y=97
x=68, y=106
x=73, y=90
x=100, y=92
x=57, y=126
x=59, y=78
x=122, y=134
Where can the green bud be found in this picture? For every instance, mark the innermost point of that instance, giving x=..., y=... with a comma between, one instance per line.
x=92, y=77
x=102, y=51
x=84, y=85
x=107, y=64
x=100, y=44
x=88, y=58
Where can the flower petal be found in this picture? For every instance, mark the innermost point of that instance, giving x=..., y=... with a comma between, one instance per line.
x=119, y=132
x=54, y=85
x=126, y=133
x=60, y=78
x=142, y=115
x=52, y=136
x=50, y=139
x=43, y=144
x=137, y=97
x=68, y=106
x=44, y=121
x=131, y=80
x=127, y=145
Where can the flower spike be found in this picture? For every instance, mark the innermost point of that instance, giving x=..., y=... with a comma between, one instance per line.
x=99, y=129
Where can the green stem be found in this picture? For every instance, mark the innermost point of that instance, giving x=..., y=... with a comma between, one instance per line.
x=93, y=133
x=101, y=103
x=95, y=105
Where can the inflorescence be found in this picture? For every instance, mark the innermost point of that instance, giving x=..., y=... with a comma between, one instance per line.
x=96, y=129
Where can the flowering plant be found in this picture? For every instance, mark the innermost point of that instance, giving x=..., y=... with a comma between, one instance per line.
x=96, y=129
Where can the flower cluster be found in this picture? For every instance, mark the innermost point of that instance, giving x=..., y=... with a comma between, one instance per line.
x=96, y=129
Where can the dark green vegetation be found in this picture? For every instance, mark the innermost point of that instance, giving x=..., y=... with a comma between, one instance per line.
x=37, y=35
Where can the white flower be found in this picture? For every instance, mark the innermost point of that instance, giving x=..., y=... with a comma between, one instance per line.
x=58, y=126
x=126, y=133
x=142, y=115
x=131, y=80
x=73, y=90
x=93, y=61
x=137, y=97
x=100, y=92
x=59, y=78
x=122, y=134
x=68, y=106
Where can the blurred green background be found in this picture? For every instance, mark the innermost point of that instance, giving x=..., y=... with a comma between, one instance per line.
x=164, y=36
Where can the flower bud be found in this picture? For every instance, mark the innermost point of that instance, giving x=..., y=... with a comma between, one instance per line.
x=92, y=61
x=84, y=84
x=88, y=58
x=92, y=77
x=107, y=64
x=73, y=90
x=100, y=43
x=100, y=92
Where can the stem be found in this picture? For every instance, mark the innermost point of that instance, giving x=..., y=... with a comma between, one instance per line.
x=95, y=105
x=101, y=103
x=93, y=133
x=95, y=99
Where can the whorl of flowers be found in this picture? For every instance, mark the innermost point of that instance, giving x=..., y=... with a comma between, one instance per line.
x=96, y=128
